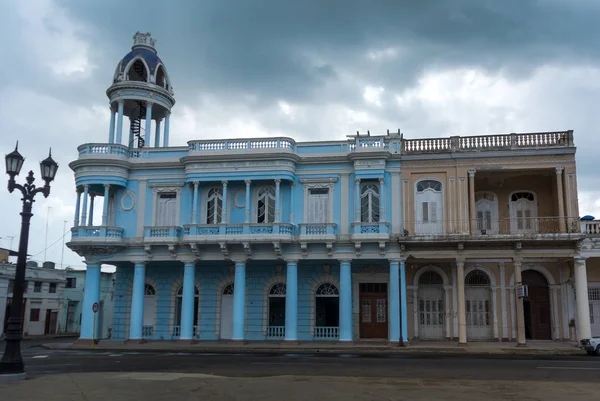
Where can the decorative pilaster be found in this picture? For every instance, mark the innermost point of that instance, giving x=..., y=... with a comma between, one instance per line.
x=277, y=201
x=120, y=123
x=247, y=206
x=225, y=208
x=394, y=302
x=105, y=206
x=136, y=319
x=187, y=302
x=584, y=330
x=148, y=122
x=382, y=214
x=292, y=202
x=521, y=341
x=239, y=301
x=77, y=208
x=86, y=189
x=195, y=203
x=345, y=320
x=91, y=294
x=357, y=200
x=561, y=197
x=472, y=216
x=111, y=129
x=291, y=301
x=462, y=315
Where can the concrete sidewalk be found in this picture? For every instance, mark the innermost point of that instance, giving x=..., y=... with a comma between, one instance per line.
x=166, y=386
x=360, y=347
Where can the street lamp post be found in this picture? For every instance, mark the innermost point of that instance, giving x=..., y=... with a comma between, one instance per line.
x=12, y=362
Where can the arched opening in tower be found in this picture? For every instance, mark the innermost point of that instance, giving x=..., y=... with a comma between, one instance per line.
x=160, y=78
x=137, y=72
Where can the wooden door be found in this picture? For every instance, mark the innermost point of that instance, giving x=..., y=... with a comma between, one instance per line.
x=47, y=322
x=539, y=301
x=373, y=310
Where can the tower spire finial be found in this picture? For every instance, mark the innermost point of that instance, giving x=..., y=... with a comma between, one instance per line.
x=145, y=40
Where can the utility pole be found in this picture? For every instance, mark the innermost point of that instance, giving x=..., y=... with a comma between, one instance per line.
x=62, y=252
x=46, y=242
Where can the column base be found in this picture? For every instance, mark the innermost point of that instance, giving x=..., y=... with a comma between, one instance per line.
x=190, y=341
x=463, y=344
x=524, y=345
x=347, y=342
x=290, y=342
x=85, y=341
x=505, y=340
x=236, y=342
x=135, y=341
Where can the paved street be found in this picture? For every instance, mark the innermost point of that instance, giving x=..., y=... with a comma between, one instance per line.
x=127, y=375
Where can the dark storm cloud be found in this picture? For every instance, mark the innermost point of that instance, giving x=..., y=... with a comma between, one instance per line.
x=292, y=48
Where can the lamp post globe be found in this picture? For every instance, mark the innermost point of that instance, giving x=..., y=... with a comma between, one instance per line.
x=11, y=363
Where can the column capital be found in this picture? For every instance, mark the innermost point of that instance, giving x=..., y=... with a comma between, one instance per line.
x=149, y=105
x=580, y=258
x=471, y=173
x=224, y=183
x=241, y=263
x=248, y=182
x=196, y=183
x=292, y=261
x=187, y=264
x=357, y=180
x=78, y=190
x=381, y=180
x=348, y=261
x=399, y=260
x=86, y=187
x=559, y=170
x=121, y=102
x=277, y=181
x=517, y=261
x=140, y=264
x=106, y=186
x=460, y=263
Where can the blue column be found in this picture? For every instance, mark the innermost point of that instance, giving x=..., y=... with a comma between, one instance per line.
x=277, y=201
x=382, y=199
x=195, y=204
x=357, y=200
x=86, y=188
x=77, y=208
x=157, y=134
x=120, y=124
x=292, y=203
x=148, y=122
x=291, y=302
x=224, y=211
x=166, y=133
x=239, y=301
x=187, y=302
x=403, y=302
x=111, y=129
x=91, y=294
x=248, y=205
x=345, y=301
x=91, y=219
x=105, y=206
x=136, y=319
x=394, y=300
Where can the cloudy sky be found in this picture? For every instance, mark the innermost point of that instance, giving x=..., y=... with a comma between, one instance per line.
x=310, y=69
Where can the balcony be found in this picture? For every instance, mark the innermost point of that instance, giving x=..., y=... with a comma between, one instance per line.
x=373, y=231
x=252, y=232
x=96, y=234
x=523, y=228
x=318, y=232
x=590, y=227
x=103, y=150
x=243, y=145
x=162, y=234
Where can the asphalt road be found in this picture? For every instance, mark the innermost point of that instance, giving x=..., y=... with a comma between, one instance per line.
x=41, y=362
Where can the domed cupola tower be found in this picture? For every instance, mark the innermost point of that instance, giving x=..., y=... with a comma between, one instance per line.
x=142, y=91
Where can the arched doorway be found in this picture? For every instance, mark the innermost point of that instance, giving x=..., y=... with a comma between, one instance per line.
x=179, y=308
x=276, y=311
x=327, y=311
x=431, y=306
x=478, y=305
x=227, y=312
x=536, y=306
x=149, y=317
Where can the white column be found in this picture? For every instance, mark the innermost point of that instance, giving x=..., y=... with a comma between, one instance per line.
x=77, y=208
x=225, y=208
x=157, y=134
x=357, y=200
x=503, y=300
x=195, y=204
x=86, y=189
x=521, y=341
x=148, y=123
x=472, y=216
x=120, y=123
x=277, y=201
x=561, y=198
x=382, y=199
x=111, y=129
x=247, y=207
x=166, y=133
x=454, y=305
x=462, y=315
x=584, y=330
x=105, y=207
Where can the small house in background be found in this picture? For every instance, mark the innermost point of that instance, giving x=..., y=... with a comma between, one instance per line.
x=5, y=254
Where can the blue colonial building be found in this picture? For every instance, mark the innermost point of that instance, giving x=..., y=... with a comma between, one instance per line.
x=369, y=237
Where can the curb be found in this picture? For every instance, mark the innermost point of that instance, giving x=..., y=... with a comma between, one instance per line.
x=332, y=351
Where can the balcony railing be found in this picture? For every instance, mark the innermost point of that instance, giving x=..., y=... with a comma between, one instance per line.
x=371, y=228
x=242, y=144
x=103, y=149
x=506, y=226
x=162, y=232
x=326, y=333
x=590, y=227
x=255, y=229
x=274, y=332
x=317, y=229
x=90, y=232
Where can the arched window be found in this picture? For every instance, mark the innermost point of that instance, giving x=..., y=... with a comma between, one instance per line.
x=160, y=77
x=228, y=290
x=523, y=212
x=149, y=290
x=277, y=305
x=486, y=211
x=138, y=72
x=327, y=309
x=369, y=202
x=214, y=206
x=431, y=306
x=266, y=204
x=428, y=207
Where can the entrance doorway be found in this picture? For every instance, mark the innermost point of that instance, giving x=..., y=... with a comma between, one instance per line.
x=536, y=306
x=373, y=310
x=50, y=322
x=227, y=313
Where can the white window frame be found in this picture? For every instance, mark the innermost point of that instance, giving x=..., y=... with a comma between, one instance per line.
x=483, y=205
x=166, y=187
x=204, y=204
x=513, y=213
x=419, y=225
x=254, y=209
x=311, y=183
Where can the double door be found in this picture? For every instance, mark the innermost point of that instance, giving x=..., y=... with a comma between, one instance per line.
x=373, y=310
